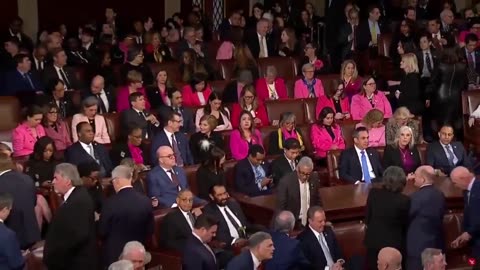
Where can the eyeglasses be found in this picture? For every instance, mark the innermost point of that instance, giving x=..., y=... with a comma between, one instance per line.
x=177, y=121
x=171, y=156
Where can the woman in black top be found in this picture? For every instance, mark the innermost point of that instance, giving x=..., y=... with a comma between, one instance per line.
x=211, y=172
x=41, y=165
x=135, y=62
x=202, y=141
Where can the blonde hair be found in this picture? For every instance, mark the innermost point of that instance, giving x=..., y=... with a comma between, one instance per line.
x=344, y=66
x=134, y=76
x=402, y=113
x=211, y=121
x=399, y=133
x=411, y=62
x=373, y=116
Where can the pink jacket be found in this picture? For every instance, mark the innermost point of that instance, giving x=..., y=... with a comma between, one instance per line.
x=376, y=136
x=360, y=105
x=322, y=141
x=239, y=147
x=262, y=89
x=301, y=90
x=101, y=132
x=324, y=101
x=122, y=99
x=61, y=136
x=190, y=98
x=23, y=140
x=225, y=51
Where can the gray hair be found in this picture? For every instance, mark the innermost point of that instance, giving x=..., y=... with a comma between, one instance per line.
x=305, y=162
x=399, y=133
x=122, y=171
x=284, y=222
x=271, y=70
x=445, y=12
x=89, y=102
x=245, y=76
x=6, y=200
x=428, y=254
x=394, y=179
x=121, y=265
x=314, y=209
x=70, y=172
x=128, y=162
x=257, y=238
x=307, y=65
x=135, y=245
x=287, y=117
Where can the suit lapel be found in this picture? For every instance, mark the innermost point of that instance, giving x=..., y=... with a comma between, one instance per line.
x=184, y=222
x=442, y=153
x=456, y=151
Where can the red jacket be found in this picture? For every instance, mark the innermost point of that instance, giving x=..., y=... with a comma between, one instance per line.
x=190, y=98
x=260, y=113
x=262, y=89
x=324, y=101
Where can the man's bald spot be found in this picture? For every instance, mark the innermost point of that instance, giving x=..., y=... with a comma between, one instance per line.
x=391, y=255
x=459, y=171
x=164, y=150
x=427, y=172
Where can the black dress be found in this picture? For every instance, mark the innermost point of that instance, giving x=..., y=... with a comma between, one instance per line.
x=411, y=94
x=198, y=154
x=206, y=179
x=146, y=72
x=40, y=170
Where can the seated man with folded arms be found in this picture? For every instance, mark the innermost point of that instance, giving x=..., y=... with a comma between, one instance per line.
x=360, y=163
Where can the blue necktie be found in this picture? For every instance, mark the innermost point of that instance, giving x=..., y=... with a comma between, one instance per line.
x=366, y=173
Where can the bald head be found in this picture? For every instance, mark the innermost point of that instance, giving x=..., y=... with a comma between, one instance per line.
x=97, y=85
x=166, y=157
x=389, y=259
x=461, y=177
x=424, y=175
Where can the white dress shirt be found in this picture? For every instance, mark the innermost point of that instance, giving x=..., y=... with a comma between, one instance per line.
x=38, y=64
x=256, y=262
x=4, y=172
x=233, y=231
x=272, y=92
x=104, y=98
x=185, y=215
x=304, y=204
x=68, y=193
x=262, y=40
x=321, y=237
x=370, y=168
x=169, y=136
x=87, y=149
x=455, y=159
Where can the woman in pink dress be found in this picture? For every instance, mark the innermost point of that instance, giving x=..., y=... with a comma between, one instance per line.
x=335, y=99
x=308, y=86
x=134, y=84
x=370, y=98
x=244, y=136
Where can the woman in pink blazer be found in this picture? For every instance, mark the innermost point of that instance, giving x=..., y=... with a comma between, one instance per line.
x=370, y=98
x=25, y=135
x=335, y=99
x=135, y=84
x=89, y=107
x=244, y=136
x=373, y=121
x=197, y=92
x=308, y=86
x=326, y=135
x=56, y=129
x=271, y=87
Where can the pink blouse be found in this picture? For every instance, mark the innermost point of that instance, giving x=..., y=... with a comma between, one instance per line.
x=361, y=106
x=322, y=141
x=239, y=146
x=376, y=136
x=23, y=140
x=136, y=153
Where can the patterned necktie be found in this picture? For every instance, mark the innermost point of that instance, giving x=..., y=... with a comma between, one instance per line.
x=175, y=179
x=471, y=61
x=365, y=171
x=176, y=151
x=374, y=33
x=428, y=62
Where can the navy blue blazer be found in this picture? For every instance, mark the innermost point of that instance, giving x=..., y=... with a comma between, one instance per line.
x=437, y=158
x=126, y=216
x=312, y=249
x=245, y=179
x=350, y=168
x=15, y=82
x=197, y=257
x=471, y=218
x=10, y=253
x=241, y=262
x=427, y=207
x=76, y=155
x=160, y=186
x=161, y=140
x=288, y=254
x=187, y=116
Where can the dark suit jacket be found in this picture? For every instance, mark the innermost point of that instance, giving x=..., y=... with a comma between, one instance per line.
x=411, y=94
x=471, y=218
x=50, y=74
x=386, y=219
x=223, y=233
x=110, y=96
x=73, y=58
x=153, y=96
x=187, y=116
x=345, y=46
x=15, y=82
x=350, y=168
x=126, y=216
x=273, y=146
x=174, y=231
x=130, y=119
x=161, y=139
x=76, y=155
x=71, y=239
x=427, y=207
x=476, y=54
x=161, y=186
x=437, y=158
x=393, y=157
x=10, y=249
x=22, y=219
x=288, y=193
x=245, y=179
x=120, y=151
x=288, y=254
x=312, y=249
x=421, y=62
x=26, y=41
x=251, y=39
x=66, y=108
x=364, y=36
x=280, y=167
x=197, y=257
x=230, y=93
x=224, y=29
x=241, y=262
x=183, y=46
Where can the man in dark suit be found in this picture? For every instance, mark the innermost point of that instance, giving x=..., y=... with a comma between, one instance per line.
x=22, y=219
x=287, y=163
x=166, y=180
x=56, y=95
x=258, y=43
x=427, y=58
x=298, y=191
x=225, y=27
x=427, y=207
x=288, y=255
x=106, y=98
x=190, y=42
x=360, y=163
x=178, y=224
x=260, y=250
x=439, y=39
x=465, y=180
x=137, y=116
x=9, y=247
x=347, y=37
x=232, y=224
x=318, y=241
x=39, y=61
x=88, y=47
x=197, y=254
x=71, y=239
x=175, y=96
x=21, y=79
x=369, y=30
x=15, y=31
x=126, y=216
x=472, y=55
x=86, y=150
x=444, y=155
x=170, y=136
x=252, y=175
x=59, y=70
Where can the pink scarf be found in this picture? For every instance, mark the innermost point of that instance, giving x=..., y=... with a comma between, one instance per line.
x=136, y=153
x=289, y=134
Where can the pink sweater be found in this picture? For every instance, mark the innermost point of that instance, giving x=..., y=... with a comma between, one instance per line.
x=239, y=146
x=301, y=90
x=361, y=106
x=322, y=141
x=23, y=139
x=376, y=136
